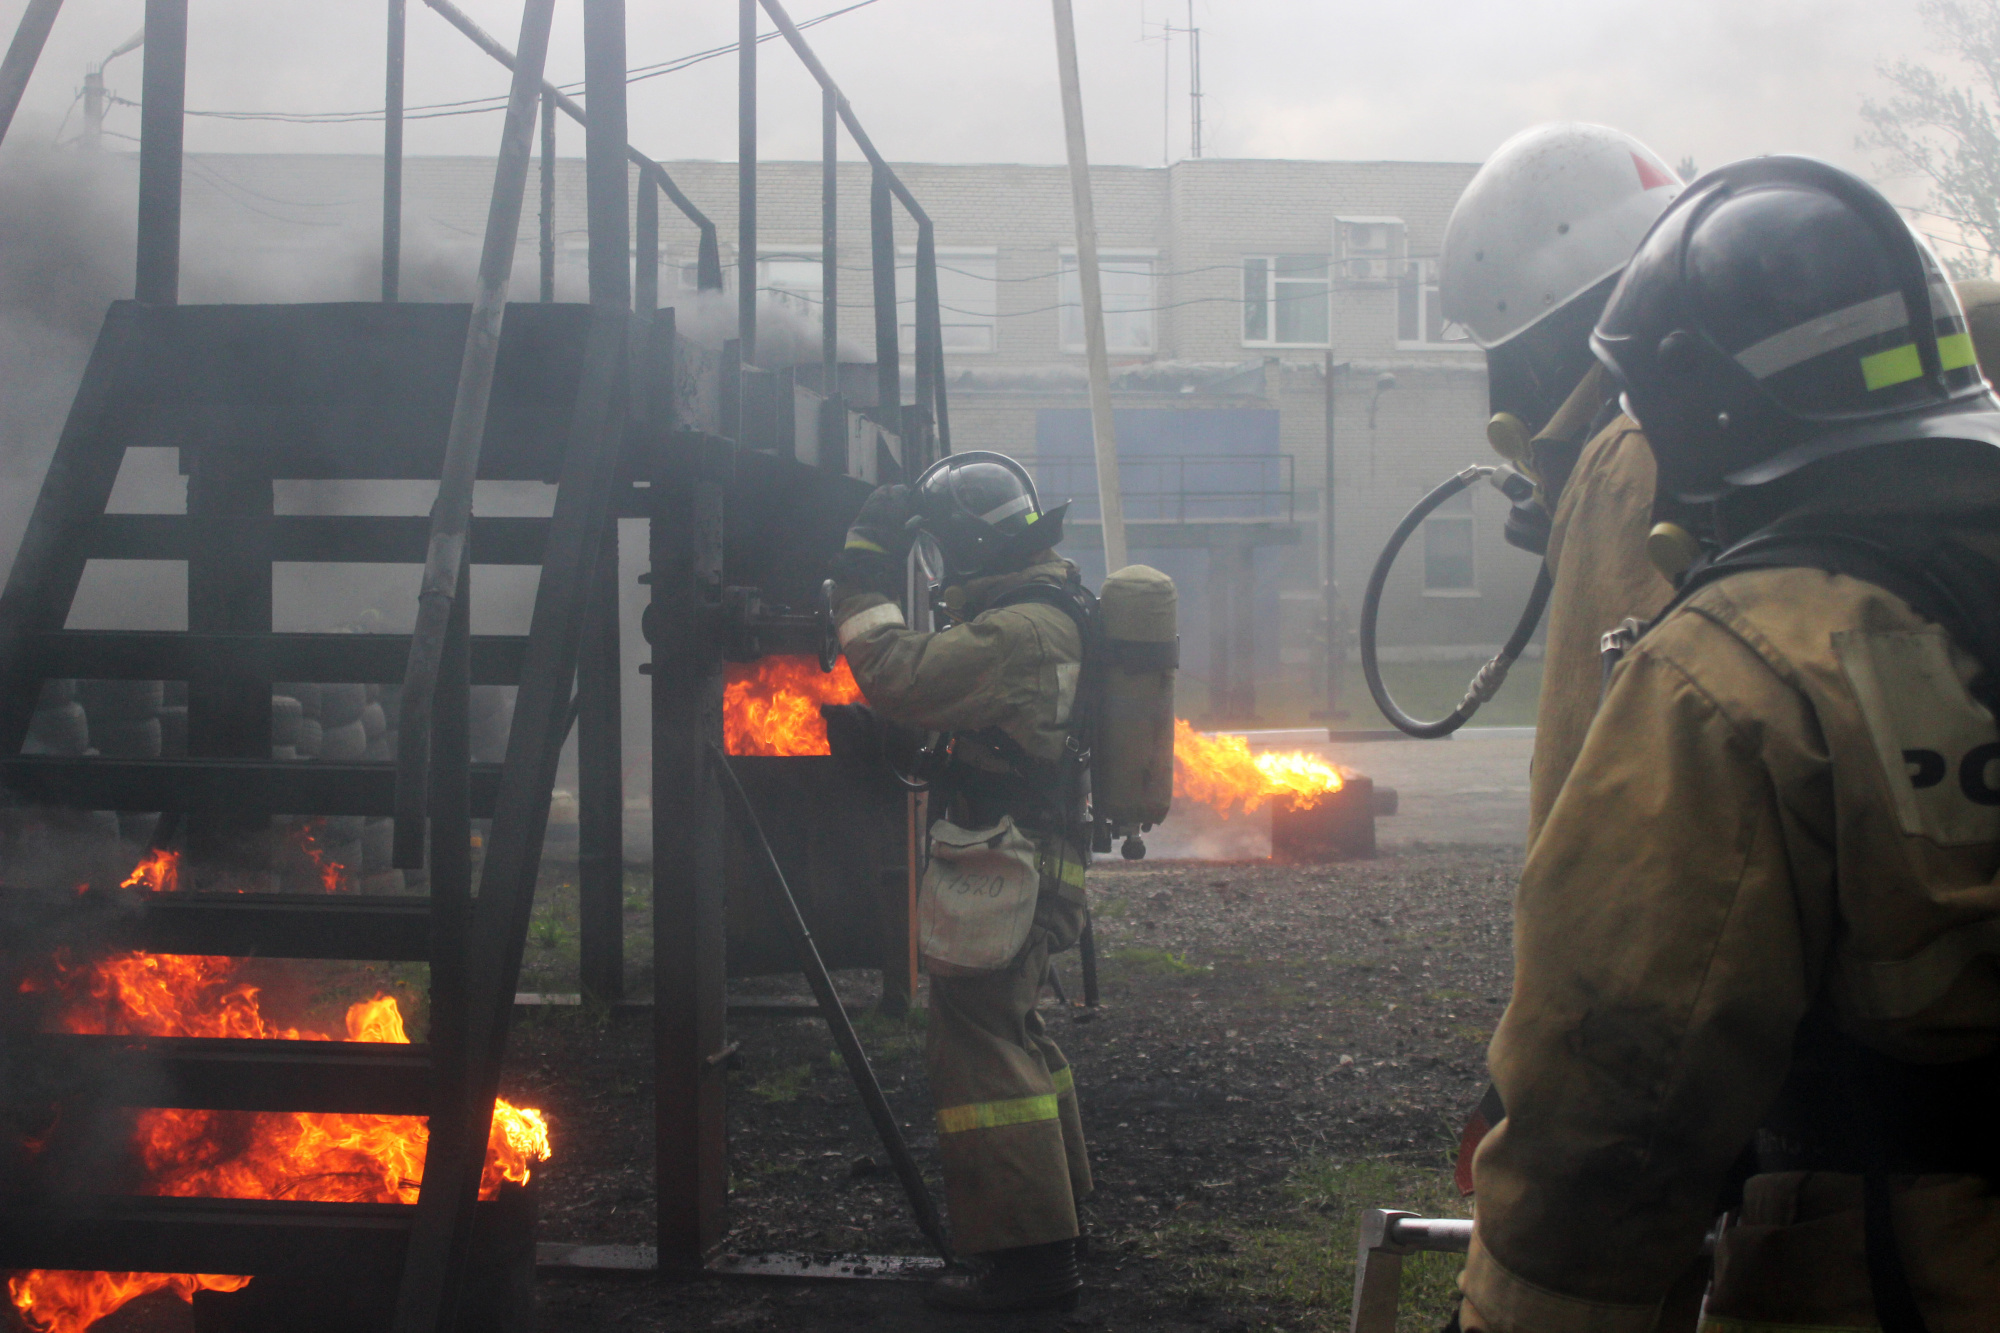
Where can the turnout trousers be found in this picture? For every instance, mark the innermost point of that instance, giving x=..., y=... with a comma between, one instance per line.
x=1008, y=1128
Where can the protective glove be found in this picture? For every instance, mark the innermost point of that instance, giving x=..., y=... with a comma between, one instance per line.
x=878, y=541
x=881, y=526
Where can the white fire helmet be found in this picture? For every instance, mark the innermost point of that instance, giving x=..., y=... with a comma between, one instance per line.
x=1555, y=211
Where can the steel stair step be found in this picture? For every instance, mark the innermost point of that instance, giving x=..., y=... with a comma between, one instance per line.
x=247, y=786
x=175, y=655
x=376, y=927
x=221, y=1074
x=310, y=538
x=140, y=1234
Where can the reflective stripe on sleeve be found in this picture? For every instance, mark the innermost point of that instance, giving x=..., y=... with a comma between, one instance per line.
x=888, y=613
x=992, y=1115
x=1065, y=1081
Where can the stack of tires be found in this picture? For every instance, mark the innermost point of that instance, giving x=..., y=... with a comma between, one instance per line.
x=124, y=722
x=345, y=723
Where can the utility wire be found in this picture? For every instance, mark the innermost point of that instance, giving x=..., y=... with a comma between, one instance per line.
x=475, y=106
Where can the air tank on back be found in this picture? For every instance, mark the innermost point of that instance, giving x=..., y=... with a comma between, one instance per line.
x=1132, y=764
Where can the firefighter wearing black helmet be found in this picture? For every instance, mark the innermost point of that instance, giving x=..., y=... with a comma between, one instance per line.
x=1758, y=939
x=1002, y=683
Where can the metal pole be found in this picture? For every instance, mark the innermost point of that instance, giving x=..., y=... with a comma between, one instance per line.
x=646, y=266
x=917, y=453
x=689, y=890
x=452, y=513
x=746, y=179
x=93, y=109
x=22, y=54
x=1328, y=493
x=162, y=110
x=548, y=237
x=1103, y=430
x=829, y=245
x=392, y=155
x=882, y=259
x=604, y=154
x=844, y=1040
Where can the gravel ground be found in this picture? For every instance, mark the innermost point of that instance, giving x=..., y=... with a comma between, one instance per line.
x=1274, y=1043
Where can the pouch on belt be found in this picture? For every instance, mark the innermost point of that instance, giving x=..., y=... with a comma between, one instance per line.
x=977, y=901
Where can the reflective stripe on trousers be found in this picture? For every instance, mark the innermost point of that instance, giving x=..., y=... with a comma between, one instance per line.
x=1013, y=1111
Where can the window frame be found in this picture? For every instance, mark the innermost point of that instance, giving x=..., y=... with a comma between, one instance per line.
x=1468, y=518
x=1426, y=286
x=906, y=329
x=1066, y=265
x=809, y=306
x=1390, y=257
x=1271, y=281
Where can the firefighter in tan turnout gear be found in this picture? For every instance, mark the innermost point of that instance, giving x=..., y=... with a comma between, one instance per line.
x=1003, y=682
x=1762, y=922
x=1530, y=255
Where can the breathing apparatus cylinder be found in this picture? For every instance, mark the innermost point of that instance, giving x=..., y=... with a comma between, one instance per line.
x=1132, y=757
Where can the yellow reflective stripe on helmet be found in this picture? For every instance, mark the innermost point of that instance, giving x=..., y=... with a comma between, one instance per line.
x=1065, y=1081
x=859, y=543
x=1900, y=365
x=992, y=1115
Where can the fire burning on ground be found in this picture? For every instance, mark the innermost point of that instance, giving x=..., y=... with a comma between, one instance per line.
x=1220, y=771
x=771, y=706
x=307, y=1156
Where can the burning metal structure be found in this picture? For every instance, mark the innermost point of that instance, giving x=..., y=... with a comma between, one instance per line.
x=343, y=1179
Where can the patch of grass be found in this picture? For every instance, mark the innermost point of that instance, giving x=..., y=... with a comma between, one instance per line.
x=1302, y=1257
x=1447, y=996
x=891, y=1038
x=548, y=933
x=1160, y=963
x=783, y=1085
x=1110, y=909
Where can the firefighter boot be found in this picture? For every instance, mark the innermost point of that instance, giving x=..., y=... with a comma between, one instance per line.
x=1029, y=1277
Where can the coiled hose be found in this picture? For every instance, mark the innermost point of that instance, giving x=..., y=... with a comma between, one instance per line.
x=1487, y=681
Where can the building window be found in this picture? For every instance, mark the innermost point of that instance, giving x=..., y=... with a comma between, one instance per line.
x=1127, y=280
x=968, y=302
x=1449, y=568
x=1368, y=250
x=791, y=278
x=1286, y=300
x=1419, y=322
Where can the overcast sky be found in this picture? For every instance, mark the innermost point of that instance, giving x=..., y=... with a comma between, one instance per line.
x=973, y=80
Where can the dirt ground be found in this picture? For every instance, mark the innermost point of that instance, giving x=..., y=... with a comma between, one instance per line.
x=1276, y=1049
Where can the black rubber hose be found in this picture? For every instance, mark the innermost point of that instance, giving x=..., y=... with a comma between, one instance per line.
x=1486, y=682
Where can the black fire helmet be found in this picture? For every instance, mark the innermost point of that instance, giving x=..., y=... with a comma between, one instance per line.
x=982, y=509
x=1779, y=312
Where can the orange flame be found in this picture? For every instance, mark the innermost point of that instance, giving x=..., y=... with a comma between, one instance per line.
x=311, y=1156
x=771, y=706
x=1221, y=771
x=160, y=872
x=332, y=874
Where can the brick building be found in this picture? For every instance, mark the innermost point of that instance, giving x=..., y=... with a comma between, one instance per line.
x=1230, y=285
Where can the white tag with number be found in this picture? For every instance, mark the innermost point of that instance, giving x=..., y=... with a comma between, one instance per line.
x=978, y=897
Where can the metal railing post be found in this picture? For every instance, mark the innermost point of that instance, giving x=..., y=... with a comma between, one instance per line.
x=22, y=55
x=162, y=113
x=829, y=244
x=746, y=180
x=882, y=261
x=917, y=453
x=548, y=211
x=392, y=155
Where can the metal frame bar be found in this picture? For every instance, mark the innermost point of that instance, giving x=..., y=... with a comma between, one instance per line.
x=392, y=153
x=746, y=181
x=161, y=121
x=23, y=53
x=1386, y=1236
x=548, y=212
x=710, y=278
x=451, y=516
x=930, y=326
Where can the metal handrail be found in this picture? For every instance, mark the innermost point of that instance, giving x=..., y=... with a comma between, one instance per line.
x=710, y=260
x=451, y=513
x=930, y=386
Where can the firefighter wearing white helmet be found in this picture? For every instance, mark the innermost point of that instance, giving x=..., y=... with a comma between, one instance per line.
x=1530, y=254
x=1761, y=925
